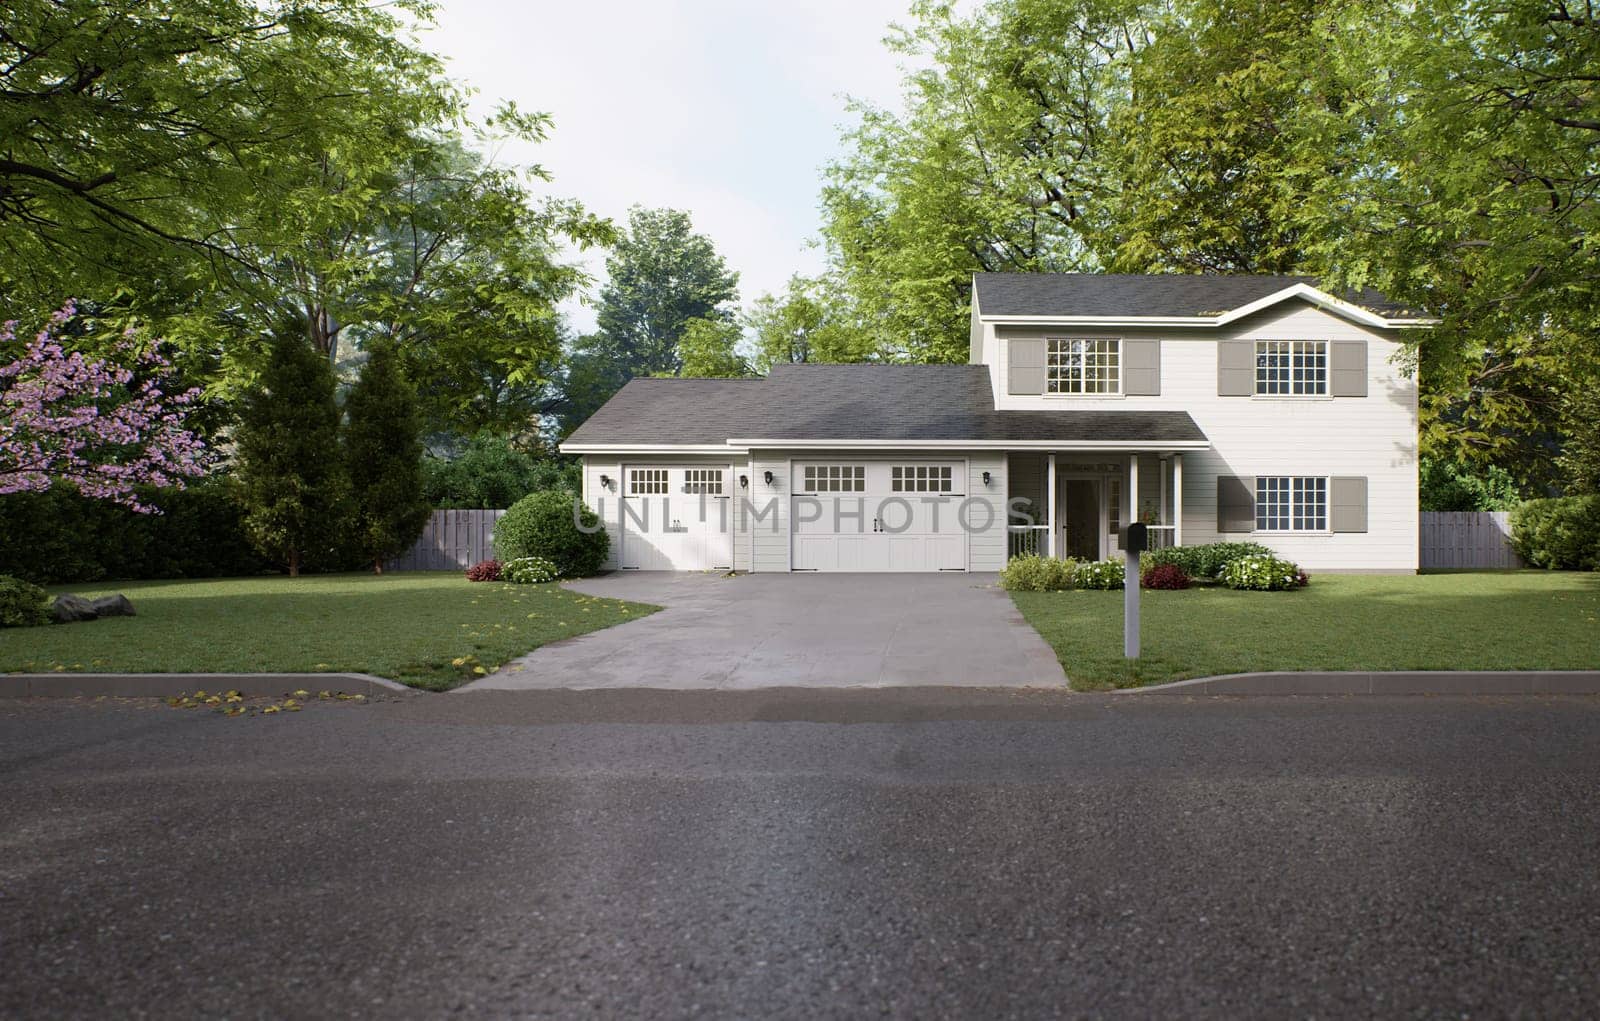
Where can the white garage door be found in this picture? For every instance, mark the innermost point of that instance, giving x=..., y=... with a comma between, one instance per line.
x=676, y=518
x=878, y=516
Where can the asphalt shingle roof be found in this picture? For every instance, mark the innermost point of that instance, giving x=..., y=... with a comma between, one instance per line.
x=1170, y=294
x=856, y=402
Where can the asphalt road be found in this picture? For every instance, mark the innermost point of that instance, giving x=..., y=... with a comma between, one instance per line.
x=955, y=854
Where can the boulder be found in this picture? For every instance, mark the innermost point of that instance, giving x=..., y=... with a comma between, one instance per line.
x=70, y=608
x=112, y=606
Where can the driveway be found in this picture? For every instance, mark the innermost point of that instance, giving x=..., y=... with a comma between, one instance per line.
x=781, y=630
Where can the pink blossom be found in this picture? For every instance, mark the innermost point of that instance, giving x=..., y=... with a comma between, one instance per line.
x=67, y=418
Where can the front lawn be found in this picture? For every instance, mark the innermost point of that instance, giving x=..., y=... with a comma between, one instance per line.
x=1521, y=620
x=411, y=627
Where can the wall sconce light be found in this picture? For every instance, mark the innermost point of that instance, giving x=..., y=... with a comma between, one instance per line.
x=744, y=482
x=605, y=482
x=986, y=478
x=767, y=477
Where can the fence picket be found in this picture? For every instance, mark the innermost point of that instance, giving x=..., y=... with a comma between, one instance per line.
x=1467, y=539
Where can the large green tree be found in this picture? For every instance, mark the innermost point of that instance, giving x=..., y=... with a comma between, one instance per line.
x=288, y=466
x=803, y=325
x=383, y=458
x=660, y=276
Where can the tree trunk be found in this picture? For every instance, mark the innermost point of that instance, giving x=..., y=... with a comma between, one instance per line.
x=377, y=566
x=294, y=563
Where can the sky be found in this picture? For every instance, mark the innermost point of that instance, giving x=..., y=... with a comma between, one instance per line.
x=723, y=108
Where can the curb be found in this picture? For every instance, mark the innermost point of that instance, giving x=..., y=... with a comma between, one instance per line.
x=1398, y=682
x=71, y=685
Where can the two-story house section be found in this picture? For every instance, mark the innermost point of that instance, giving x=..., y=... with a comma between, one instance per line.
x=1210, y=407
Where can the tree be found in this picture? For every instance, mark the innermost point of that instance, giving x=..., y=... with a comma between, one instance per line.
x=803, y=325
x=101, y=425
x=383, y=456
x=708, y=348
x=291, y=477
x=661, y=275
x=1580, y=458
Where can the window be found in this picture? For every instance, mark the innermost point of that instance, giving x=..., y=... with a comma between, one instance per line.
x=1292, y=368
x=1291, y=503
x=646, y=481
x=1083, y=366
x=921, y=478
x=703, y=480
x=836, y=478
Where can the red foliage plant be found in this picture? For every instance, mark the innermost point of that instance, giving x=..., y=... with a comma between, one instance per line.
x=1165, y=576
x=484, y=570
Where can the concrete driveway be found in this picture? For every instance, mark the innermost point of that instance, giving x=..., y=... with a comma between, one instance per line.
x=780, y=630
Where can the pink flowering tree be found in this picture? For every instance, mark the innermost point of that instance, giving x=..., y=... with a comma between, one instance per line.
x=104, y=425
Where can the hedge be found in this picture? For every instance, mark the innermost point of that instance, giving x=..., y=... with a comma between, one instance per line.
x=58, y=537
x=1561, y=533
x=545, y=525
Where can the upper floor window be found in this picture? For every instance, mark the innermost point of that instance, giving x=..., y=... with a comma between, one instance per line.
x=1292, y=368
x=1083, y=366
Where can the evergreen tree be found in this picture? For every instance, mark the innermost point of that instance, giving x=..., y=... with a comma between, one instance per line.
x=291, y=478
x=383, y=455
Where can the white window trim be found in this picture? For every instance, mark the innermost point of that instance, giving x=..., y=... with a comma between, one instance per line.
x=1327, y=507
x=1327, y=369
x=1073, y=396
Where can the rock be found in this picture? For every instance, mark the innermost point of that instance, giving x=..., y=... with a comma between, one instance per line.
x=70, y=608
x=112, y=606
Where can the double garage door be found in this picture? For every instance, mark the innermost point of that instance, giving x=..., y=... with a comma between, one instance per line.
x=676, y=518
x=878, y=516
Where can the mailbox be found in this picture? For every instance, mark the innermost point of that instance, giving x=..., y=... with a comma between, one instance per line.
x=1135, y=538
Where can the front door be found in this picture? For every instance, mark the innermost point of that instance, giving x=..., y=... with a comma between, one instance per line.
x=1080, y=518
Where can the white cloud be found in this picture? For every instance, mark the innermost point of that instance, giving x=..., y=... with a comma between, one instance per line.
x=726, y=109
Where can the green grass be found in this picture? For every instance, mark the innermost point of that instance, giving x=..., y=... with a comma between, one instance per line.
x=1521, y=620
x=411, y=627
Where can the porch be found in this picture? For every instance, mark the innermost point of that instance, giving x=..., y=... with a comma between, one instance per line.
x=1068, y=504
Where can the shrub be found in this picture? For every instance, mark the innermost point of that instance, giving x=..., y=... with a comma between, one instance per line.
x=1563, y=533
x=1263, y=574
x=1033, y=573
x=543, y=525
x=484, y=570
x=1100, y=574
x=1165, y=576
x=529, y=571
x=1205, y=561
x=22, y=604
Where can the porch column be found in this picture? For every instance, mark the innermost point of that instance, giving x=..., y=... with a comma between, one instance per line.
x=1050, y=505
x=1161, y=477
x=1133, y=490
x=1177, y=499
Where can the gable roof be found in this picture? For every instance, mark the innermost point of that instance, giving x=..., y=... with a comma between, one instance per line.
x=866, y=404
x=1159, y=296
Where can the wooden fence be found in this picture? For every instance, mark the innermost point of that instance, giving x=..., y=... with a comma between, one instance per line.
x=453, y=540
x=1467, y=539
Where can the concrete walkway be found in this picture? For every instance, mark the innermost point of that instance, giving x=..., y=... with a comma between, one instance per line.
x=806, y=630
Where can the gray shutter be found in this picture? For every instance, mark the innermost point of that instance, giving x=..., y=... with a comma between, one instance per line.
x=1347, y=503
x=1236, y=368
x=1236, y=503
x=1347, y=368
x=1141, y=368
x=1026, y=365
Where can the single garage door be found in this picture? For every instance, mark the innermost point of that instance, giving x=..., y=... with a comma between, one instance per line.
x=676, y=518
x=878, y=516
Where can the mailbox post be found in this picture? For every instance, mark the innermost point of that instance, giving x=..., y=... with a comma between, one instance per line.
x=1134, y=540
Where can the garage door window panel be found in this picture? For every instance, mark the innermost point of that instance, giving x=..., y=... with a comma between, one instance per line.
x=705, y=481
x=647, y=481
x=922, y=478
x=835, y=478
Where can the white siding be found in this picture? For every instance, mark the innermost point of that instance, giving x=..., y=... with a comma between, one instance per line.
x=1373, y=436
x=608, y=505
x=604, y=501
x=769, y=537
x=986, y=547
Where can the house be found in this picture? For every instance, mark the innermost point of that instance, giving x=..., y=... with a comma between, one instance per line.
x=1213, y=408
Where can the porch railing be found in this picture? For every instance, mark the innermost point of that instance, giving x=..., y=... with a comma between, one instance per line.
x=1025, y=540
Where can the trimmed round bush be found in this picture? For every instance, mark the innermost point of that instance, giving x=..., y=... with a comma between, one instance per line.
x=1033, y=573
x=1263, y=574
x=529, y=571
x=1562, y=533
x=22, y=603
x=484, y=570
x=1165, y=576
x=1100, y=574
x=556, y=526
